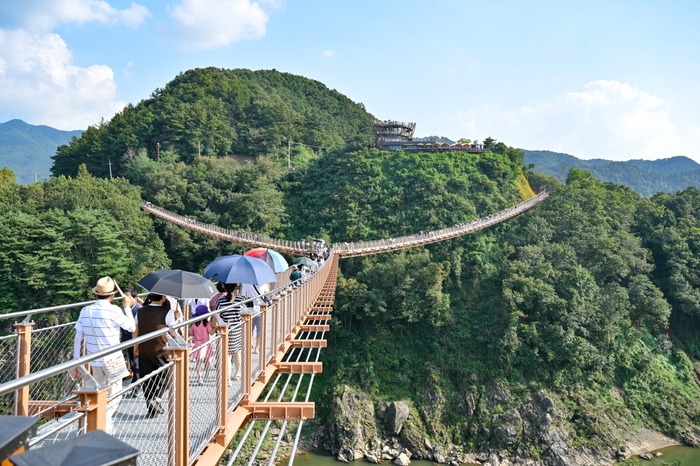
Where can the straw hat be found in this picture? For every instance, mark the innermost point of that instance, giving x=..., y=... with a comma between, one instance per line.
x=105, y=286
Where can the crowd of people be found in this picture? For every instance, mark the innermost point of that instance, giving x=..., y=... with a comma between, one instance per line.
x=103, y=324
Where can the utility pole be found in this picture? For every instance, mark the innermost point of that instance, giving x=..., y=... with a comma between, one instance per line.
x=157, y=152
x=110, y=168
x=289, y=154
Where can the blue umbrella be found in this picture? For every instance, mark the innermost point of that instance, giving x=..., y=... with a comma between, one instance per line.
x=240, y=269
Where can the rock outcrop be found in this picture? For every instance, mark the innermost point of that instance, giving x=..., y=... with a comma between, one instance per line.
x=502, y=430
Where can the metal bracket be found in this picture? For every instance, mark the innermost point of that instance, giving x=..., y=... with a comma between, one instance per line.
x=27, y=320
x=219, y=321
x=174, y=343
x=89, y=382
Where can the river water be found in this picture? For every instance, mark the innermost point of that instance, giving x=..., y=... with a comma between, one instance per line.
x=687, y=455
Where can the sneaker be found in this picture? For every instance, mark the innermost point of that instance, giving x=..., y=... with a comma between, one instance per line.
x=154, y=408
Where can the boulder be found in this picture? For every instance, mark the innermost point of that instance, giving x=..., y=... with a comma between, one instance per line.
x=353, y=429
x=402, y=460
x=396, y=415
x=372, y=459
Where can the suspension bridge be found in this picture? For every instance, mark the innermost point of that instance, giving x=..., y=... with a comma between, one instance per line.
x=201, y=419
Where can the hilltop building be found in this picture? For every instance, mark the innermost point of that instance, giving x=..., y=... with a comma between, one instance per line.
x=398, y=135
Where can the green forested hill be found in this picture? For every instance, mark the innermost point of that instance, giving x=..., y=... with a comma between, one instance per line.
x=216, y=112
x=548, y=338
x=27, y=149
x=647, y=177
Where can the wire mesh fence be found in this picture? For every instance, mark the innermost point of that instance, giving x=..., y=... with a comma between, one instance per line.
x=52, y=346
x=204, y=393
x=236, y=374
x=142, y=416
x=255, y=345
x=8, y=371
x=269, y=326
x=58, y=430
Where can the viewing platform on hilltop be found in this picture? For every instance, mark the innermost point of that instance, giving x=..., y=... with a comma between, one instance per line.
x=397, y=135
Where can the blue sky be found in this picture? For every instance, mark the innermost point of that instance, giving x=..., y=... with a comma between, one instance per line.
x=608, y=79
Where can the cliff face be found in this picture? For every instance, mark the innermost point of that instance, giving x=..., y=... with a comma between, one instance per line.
x=531, y=430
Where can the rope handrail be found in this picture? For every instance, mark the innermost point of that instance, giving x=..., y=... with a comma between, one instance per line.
x=345, y=249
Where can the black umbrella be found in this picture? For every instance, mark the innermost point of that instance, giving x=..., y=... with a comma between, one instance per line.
x=178, y=283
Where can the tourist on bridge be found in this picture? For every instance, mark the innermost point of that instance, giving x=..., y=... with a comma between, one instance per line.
x=155, y=314
x=232, y=317
x=214, y=299
x=201, y=331
x=252, y=291
x=99, y=325
x=295, y=276
x=132, y=358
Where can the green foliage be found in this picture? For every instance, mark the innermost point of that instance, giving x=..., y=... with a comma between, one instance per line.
x=66, y=233
x=215, y=112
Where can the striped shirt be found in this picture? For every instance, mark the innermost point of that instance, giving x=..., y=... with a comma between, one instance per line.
x=103, y=331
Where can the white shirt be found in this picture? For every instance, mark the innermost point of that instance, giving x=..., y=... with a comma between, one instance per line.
x=248, y=291
x=193, y=303
x=103, y=331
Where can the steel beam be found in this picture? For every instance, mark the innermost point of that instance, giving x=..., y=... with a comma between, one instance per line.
x=282, y=411
x=299, y=367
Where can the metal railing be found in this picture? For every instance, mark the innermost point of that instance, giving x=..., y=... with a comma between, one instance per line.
x=35, y=380
x=234, y=236
x=402, y=242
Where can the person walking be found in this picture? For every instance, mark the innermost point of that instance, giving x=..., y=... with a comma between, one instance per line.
x=99, y=326
x=154, y=315
x=132, y=358
x=201, y=332
x=295, y=275
x=232, y=317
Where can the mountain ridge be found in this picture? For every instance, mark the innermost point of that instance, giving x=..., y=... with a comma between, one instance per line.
x=647, y=177
x=27, y=149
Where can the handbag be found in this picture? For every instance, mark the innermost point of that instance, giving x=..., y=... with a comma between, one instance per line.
x=266, y=299
x=115, y=364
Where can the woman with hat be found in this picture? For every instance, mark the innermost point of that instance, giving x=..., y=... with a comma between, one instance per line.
x=201, y=332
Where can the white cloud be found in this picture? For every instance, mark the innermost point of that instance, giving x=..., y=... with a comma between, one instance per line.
x=607, y=119
x=328, y=54
x=206, y=24
x=43, y=15
x=39, y=84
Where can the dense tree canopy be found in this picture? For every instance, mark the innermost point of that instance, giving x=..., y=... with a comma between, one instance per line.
x=216, y=112
x=61, y=235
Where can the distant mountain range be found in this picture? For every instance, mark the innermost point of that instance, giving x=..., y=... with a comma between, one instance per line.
x=647, y=177
x=27, y=149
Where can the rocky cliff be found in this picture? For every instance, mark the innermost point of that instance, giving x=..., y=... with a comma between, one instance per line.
x=503, y=430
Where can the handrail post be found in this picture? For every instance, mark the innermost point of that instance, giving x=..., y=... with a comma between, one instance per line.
x=263, y=335
x=24, y=353
x=247, y=354
x=94, y=404
x=222, y=380
x=275, y=324
x=181, y=394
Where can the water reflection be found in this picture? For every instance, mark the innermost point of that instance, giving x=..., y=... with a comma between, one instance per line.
x=687, y=455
